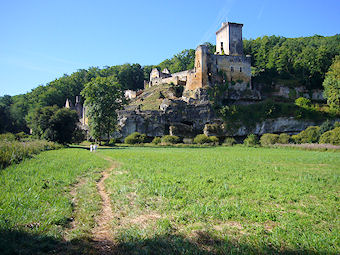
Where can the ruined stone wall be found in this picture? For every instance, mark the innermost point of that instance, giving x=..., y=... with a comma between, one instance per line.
x=235, y=46
x=209, y=67
x=198, y=78
x=222, y=40
x=158, y=78
x=181, y=75
x=236, y=68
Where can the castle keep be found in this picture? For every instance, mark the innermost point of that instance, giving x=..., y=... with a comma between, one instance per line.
x=227, y=64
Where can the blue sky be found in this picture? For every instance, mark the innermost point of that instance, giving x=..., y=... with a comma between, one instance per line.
x=43, y=39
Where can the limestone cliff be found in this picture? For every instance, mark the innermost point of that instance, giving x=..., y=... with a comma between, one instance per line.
x=189, y=116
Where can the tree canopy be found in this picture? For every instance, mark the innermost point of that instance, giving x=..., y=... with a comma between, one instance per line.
x=54, y=124
x=103, y=96
x=332, y=85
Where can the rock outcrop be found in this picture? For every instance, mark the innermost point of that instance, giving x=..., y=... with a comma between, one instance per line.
x=185, y=119
x=288, y=125
x=175, y=117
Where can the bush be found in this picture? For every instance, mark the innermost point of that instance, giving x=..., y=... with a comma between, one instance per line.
x=283, y=138
x=20, y=136
x=309, y=135
x=214, y=140
x=251, y=140
x=170, y=139
x=295, y=138
x=7, y=137
x=157, y=140
x=14, y=151
x=188, y=140
x=111, y=142
x=79, y=136
x=336, y=124
x=268, y=139
x=303, y=102
x=326, y=137
x=229, y=141
x=135, y=138
x=331, y=137
x=202, y=139
x=326, y=126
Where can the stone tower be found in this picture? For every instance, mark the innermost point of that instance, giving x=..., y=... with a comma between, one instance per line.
x=229, y=39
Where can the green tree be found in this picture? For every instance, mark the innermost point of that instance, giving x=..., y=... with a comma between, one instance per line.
x=5, y=115
x=103, y=97
x=331, y=85
x=131, y=76
x=54, y=124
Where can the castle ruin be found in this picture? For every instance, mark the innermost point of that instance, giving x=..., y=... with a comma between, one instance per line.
x=80, y=109
x=227, y=65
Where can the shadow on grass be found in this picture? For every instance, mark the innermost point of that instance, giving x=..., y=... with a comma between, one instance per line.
x=20, y=242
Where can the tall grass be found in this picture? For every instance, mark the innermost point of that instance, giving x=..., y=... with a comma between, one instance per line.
x=14, y=151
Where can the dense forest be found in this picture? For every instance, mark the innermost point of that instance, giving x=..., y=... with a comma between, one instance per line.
x=293, y=61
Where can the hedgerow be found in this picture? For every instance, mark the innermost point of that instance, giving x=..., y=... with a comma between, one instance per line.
x=15, y=151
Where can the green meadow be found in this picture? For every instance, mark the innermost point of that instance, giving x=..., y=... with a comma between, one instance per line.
x=214, y=200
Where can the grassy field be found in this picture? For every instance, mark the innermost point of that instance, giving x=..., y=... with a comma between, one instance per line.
x=36, y=208
x=217, y=200
x=232, y=200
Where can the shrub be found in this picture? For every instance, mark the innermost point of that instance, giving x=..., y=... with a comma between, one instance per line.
x=332, y=137
x=14, y=151
x=295, y=138
x=229, y=141
x=309, y=135
x=202, y=139
x=303, y=102
x=170, y=139
x=326, y=137
x=283, y=138
x=20, y=136
x=268, y=139
x=7, y=137
x=336, y=124
x=188, y=140
x=157, y=140
x=214, y=140
x=111, y=142
x=326, y=126
x=135, y=138
x=251, y=140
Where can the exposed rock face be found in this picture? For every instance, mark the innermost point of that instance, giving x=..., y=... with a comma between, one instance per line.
x=179, y=118
x=288, y=125
x=185, y=119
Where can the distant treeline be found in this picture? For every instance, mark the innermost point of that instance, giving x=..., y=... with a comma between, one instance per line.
x=297, y=61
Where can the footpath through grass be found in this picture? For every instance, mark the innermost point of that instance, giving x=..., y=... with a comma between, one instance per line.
x=36, y=208
x=226, y=200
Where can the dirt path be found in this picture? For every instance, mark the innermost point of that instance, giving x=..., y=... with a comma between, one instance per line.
x=102, y=234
